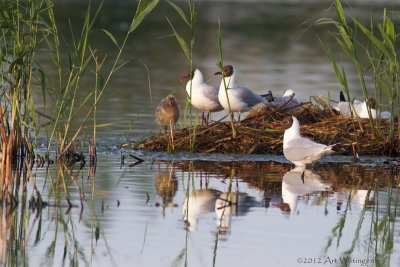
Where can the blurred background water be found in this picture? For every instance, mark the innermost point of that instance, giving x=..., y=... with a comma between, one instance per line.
x=268, y=42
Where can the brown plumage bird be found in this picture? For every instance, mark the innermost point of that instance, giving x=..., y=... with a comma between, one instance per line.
x=168, y=112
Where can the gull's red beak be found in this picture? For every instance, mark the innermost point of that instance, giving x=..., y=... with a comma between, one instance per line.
x=276, y=125
x=218, y=73
x=184, y=77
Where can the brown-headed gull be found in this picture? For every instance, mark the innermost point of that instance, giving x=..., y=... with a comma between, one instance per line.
x=241, y=99
x=202, y=95
x=300, y=150
x=168, y=112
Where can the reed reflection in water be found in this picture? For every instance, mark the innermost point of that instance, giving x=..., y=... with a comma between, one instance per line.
x=203, y=213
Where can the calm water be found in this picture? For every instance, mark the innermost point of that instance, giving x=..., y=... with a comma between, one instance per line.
x=230, y=213
x=181, y=210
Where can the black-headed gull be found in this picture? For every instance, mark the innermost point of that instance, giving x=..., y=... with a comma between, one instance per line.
x=168, y=112
x=300, y=150
x=359, y=108
x=241, y=99
x=202, y=95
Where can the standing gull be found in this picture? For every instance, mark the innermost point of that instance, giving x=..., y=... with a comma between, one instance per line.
x=240, y=98
x=300, y=150
x=202, y=95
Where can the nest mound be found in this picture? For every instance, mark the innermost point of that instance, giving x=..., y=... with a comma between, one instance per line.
x=259, y=133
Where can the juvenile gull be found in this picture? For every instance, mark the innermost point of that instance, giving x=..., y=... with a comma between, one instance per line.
x=240, y=98
x=300, y=150
x=202, y=95
x=167, y=112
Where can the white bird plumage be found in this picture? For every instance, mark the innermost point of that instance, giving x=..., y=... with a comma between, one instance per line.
x=299, y=150
x=360, y=108
x=203, y=96
x=240, y=98
x=287, y=95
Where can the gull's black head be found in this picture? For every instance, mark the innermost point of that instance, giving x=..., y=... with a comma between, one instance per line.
x=227, y=71
x=342, y=97
x=371, y=102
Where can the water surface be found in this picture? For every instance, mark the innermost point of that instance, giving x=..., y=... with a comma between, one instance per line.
x=213, y=213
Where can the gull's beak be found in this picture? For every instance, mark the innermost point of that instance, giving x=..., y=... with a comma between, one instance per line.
x=218, y=73
x=276, y=126
x=185, y=77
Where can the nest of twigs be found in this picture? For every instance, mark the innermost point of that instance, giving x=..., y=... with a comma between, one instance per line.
x=260, y=133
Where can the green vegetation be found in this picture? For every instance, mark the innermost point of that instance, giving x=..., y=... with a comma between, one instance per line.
x=373, y=51
x=187, y=49
x=26, y=27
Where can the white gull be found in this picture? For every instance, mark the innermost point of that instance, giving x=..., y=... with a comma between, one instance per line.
x=202, y=96
x=241, y=98
x=300, y=150
x=359, y=108
x=288, y=97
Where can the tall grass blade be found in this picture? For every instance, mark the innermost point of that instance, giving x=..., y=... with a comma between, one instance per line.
x=143, y=11
x=111, y=36
x=180, y=40
x=180, y=11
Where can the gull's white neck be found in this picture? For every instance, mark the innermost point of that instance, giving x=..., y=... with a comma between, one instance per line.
x=291, y=133
x=196, y=81
x=230, y=82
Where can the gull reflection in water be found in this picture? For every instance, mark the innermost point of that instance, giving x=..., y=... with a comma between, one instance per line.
x=354, y=198
x=197, y=204
x=297, y=183
x=231, y=204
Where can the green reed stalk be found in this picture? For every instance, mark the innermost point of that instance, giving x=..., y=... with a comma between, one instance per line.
x=226, y=86
x=377, y=59
x=187, y=49
x=21, y=25
x=80, y=64
x=382, y=55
